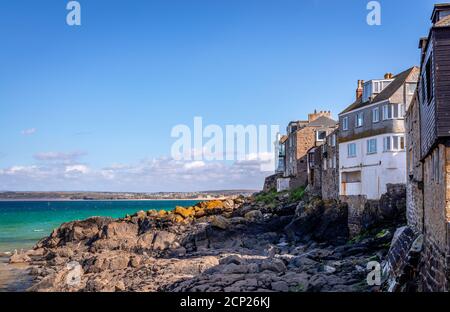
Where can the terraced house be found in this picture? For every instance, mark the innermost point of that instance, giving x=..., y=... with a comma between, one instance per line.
x=372, y=139
x=302, y=136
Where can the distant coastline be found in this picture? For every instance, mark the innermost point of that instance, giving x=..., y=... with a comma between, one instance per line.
x=120, y=196
x=102, y=200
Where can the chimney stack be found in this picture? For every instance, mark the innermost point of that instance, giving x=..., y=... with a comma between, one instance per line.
x=388, y=76
x=359, y=90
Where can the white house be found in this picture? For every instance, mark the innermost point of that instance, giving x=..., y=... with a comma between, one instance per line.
x=372, y=136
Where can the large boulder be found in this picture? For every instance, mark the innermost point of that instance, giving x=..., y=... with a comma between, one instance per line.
x=253, y=216
x=390, y=210
x=320, y=221
x=164, y=240
x=107, y=261
x=85, y=231
x=185, y=212
x=19, y=258
x=220, y=222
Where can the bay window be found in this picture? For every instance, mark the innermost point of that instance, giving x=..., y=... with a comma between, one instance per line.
x=394, y=143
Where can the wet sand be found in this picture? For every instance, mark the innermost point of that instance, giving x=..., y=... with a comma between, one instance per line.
x=13, y=277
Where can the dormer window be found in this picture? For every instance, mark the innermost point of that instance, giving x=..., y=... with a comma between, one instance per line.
x=321, y=135
x=374, y=87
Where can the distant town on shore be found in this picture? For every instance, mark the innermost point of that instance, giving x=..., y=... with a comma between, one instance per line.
x=201, y=195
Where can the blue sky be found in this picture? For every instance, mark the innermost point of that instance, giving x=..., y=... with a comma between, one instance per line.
x=92, y=107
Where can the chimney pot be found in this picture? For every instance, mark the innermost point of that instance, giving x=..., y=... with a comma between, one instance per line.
x=359, y=89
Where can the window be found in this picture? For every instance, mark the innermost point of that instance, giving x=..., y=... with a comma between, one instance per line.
x=351, y=177
x=393, y=111
x=359, y=119
x=401, y=108
x=333, y=140
x=372, y=146
x=394, y=143
x=321, y=135
x=387, y=112
x=429, y=83
x=334, y=161
x=345, y=123
x=375, y=114
x=351, y=149
x=402, y=143
x=367, y=91
x=435, y=165
x=387, y=144
x=330, y=163
x=324, y=164
x=411, y=88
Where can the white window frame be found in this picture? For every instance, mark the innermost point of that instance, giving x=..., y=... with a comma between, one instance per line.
x=396, y=111
x=369, y=145
x=345, y=123
x=349, y=150
x=387, y=108
x=376, y=115
x=333, y=140
x=395, y=143
x=359, y=120
x=317, y=135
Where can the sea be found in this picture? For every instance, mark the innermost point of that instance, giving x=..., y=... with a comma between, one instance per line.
x=24, y=223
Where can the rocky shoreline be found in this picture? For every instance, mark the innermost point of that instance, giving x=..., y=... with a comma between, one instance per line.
x=237, y=244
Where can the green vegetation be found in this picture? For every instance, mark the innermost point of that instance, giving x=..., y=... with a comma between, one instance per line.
x=298, y=288
x=296, y=194
x=382, y=233
x=358, y=238
x=267, y=197
x=272, y=197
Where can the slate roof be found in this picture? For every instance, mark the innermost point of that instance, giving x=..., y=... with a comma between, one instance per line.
x=322, y=122
x=387, y=92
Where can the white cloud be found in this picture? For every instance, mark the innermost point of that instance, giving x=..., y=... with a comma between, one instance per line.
x=194, y=165
x=28, y=131
x=158, y=174
x=58, y=156
x=77, y=169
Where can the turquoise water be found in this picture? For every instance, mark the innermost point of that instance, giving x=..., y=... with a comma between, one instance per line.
x=23, y=223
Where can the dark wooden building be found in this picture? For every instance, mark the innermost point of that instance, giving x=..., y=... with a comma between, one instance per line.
x=434, y=84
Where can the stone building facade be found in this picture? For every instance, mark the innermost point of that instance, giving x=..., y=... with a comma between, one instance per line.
x=301, y=137
x=414, y=185
x=330, y=167
x=428, y=127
